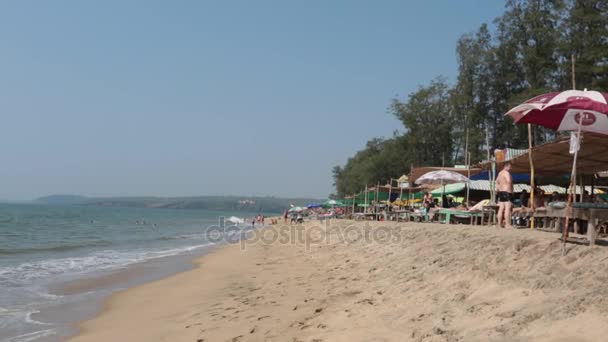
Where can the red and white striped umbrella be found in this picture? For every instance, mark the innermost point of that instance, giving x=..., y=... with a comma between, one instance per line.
x=572, y=110
x=564, y=111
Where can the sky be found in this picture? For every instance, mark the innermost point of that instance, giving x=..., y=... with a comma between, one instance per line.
x=186, y=98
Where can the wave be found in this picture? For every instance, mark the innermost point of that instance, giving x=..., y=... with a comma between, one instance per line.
x=29, y=319
x=25, y=272
x=193, y=236
x=31, y=336
x=59, y=248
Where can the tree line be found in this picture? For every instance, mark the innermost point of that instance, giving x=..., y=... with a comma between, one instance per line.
x=527, y=51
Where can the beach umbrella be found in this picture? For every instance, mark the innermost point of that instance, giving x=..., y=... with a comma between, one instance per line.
x=296, y=209
x=402, y=182
x=333, y=203
x=314, y=205
x=402, y=179
x=571, y=110
x=565, y=111
x=441, y=177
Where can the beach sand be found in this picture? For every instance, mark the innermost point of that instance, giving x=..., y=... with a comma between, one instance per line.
x=372, y=281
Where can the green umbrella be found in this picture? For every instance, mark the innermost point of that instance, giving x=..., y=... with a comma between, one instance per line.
x=333, y=203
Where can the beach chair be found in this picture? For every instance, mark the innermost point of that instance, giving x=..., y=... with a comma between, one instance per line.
x=474, y=213
x=423, y=215
x=448, y=214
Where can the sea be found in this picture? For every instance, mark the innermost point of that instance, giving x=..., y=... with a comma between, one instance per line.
x=58, y=262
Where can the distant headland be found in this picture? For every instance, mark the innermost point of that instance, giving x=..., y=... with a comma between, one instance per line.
x=221, y=203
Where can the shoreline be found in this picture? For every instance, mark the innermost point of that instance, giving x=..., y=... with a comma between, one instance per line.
x=100, y=287
x=432, y=283
x=109, y=302
x=116, y=281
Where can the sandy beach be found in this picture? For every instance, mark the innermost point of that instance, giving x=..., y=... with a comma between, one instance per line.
x=372, y=281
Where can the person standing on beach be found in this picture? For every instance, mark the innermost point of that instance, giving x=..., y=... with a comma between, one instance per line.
x=504, y=185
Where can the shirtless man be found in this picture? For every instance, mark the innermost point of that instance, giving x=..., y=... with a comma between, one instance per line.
x=504, y=185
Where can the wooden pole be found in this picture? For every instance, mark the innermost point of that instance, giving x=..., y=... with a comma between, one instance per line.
x=400, y=191
x=469, y=178
x=388, y=200
x=409, y=188
x=593, y=188
x=573, y=60
x=365, y=196
x=488, y=158
x=531, y=174
x=466, y=146
x=467, y=157
x=572, y=187
x=377, y=196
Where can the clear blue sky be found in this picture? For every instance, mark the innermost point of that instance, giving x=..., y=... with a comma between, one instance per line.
x=168, y=98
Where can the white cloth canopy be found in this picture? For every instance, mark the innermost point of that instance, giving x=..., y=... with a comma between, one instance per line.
x=441, y=177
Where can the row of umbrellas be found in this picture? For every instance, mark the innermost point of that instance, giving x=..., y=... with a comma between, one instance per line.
x=326, y=204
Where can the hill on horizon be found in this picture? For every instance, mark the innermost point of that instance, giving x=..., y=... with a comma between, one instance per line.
x=220, y=203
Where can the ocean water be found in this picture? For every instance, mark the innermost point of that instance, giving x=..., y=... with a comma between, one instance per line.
x=55, y=261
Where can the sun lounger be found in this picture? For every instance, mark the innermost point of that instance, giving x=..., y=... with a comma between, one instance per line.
x=422, y=215
x=473, y=214
x=467, y=214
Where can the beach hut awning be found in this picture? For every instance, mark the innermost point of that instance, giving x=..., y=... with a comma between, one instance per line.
x=553, y=158
x=450, y=189
x=484, y=185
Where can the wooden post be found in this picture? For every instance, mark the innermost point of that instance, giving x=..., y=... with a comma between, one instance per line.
x=365, y=196
x=581, y=198
x=573, y=60
x=572, y=187
x=531, y=174
x=388, y=200
x=410, y=202
x=469, y=179
x=377, y=197
x=488, y=158
x=593, y=188
x=400, y=192
x=466, y=146
x=591, y=228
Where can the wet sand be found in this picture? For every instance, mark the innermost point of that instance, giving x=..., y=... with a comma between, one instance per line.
x=358, y=281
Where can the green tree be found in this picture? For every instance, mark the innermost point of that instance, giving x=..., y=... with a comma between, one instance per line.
x=585, y=35
x=428, y=119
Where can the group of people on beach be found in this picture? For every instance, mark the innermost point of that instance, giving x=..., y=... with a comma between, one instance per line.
x=259, y=219
x=504, y=187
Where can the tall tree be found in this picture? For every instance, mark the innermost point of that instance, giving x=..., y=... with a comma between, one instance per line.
x=585, y=33
x=528, y=54
x=428, y=119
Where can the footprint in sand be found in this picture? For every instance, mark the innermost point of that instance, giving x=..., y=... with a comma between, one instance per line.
x=366, y=301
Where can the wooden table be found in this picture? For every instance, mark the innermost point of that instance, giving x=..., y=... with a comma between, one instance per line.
x=592, y=215
x=400, y=214
x=491, y=210
x=365, y=216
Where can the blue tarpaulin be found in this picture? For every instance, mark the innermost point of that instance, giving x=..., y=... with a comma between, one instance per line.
x=517, y=177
